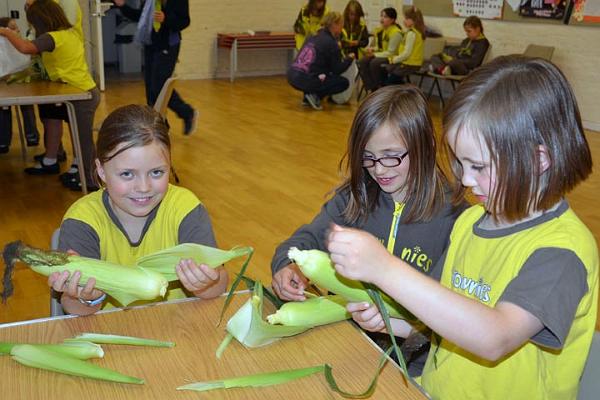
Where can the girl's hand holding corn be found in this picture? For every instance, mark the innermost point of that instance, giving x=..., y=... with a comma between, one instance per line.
x=357, y=254
x=68, y=285
x=289, y=283
x=367, y=316
x=196, y=278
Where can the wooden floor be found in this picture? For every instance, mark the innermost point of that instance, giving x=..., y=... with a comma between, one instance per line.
x=260, y=162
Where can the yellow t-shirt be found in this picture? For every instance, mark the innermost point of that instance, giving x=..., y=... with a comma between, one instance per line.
x=480, y=265
x=161, y=232
x=66, y=63
x=416, y=56
x=383, y=36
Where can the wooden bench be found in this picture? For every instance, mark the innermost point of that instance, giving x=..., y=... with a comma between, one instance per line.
x=243, y=41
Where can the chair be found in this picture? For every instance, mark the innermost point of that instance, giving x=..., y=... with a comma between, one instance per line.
x=161, y=104
x=162, y=101
x=589, y=385
x=453, y=79
x=534, y=50
x=431, y=47
x=55, y=306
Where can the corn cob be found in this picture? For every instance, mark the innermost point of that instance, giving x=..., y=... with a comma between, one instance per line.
x=316, y=266
x=124, y=284
x=314, y=312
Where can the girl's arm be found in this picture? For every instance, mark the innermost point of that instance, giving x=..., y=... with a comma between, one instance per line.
x=363, y=40
x=408, y=48
x=392, y=46
x=367, y=316
x=487, y=332
x=201, y=280
x=298, y=24
x=22, y=45
x=76, y=237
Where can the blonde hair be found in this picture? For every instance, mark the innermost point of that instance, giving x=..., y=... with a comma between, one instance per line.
x=331, y=18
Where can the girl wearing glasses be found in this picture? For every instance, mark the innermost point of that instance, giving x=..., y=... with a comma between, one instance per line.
x=394, y=189
x=518, y=293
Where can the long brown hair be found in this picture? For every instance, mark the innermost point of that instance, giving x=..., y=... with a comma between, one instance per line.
x=404, y=108
x=517, y=104
x=353, y=26
x=417, y=17
x=47, y=16
x=311, y=8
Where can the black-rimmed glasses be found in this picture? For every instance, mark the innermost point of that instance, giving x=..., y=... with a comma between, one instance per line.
x=388, y=161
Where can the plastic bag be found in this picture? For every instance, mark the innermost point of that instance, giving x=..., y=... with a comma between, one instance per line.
x=11, y=60
x=350, y=74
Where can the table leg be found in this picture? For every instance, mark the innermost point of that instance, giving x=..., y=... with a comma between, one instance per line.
x=76, y=144
x=22, y=138
x=234, y=55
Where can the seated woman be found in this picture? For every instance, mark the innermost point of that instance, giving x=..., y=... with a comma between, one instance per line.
x=319, y=63
x=462, y=59
x=355, y=35
x=387, y=40
x=410, y=53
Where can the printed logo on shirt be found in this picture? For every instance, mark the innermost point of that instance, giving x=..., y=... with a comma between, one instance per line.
x=305, y=58
x=416, y=257
x=472, y=287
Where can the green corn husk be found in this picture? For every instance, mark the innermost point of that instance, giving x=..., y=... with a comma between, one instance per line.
x=165, y=261
x=249, y=328
x=314, y=312
x=80, y=350
x=316, y=266
x=258, y=380
x=124, y=284
x=36, y=357
x=279, y=377
x=117, y=339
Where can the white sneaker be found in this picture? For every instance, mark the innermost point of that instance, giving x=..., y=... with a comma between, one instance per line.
x=314, y=101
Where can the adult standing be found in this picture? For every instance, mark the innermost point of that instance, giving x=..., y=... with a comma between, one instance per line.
x=317, y=68
x=160, y=25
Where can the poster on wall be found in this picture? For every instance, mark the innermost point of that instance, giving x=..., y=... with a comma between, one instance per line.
x=586, y=11
x=549, y=9
x=488, y=9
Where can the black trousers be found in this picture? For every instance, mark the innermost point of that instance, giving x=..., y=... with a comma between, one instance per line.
x=398, y=73
x=371, y=71
x=29, y=124
x=308, y=83
x=158, y=67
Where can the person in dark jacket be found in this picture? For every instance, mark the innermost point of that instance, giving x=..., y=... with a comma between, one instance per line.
x=160, y=54
x=317, y=67
x=462, y=59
